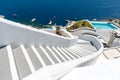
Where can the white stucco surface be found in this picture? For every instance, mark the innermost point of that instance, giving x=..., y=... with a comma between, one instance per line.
x=109, y=70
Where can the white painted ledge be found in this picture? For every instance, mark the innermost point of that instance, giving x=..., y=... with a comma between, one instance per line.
x=106, y=71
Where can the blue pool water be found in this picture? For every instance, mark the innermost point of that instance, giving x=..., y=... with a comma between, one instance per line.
x=103, y=25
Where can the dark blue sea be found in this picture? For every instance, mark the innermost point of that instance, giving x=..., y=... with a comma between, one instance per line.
x=58, y=11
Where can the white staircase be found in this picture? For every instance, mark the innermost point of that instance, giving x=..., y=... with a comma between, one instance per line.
x=22, y=61
x=32, y=54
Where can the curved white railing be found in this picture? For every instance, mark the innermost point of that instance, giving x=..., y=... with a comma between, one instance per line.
x=16, y=34
x=64, y=68
x=94, y=40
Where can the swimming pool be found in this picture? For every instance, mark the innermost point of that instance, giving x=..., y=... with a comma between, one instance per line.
x=103, y=25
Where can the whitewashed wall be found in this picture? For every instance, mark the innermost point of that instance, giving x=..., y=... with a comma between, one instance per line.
x=16, y=34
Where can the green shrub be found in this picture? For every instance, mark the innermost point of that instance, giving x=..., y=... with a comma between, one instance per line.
x=79, y=24
x=110, y=19
x=115, y=21
x=119, y=23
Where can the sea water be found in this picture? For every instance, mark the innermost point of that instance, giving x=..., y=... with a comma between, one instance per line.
x=58, y=11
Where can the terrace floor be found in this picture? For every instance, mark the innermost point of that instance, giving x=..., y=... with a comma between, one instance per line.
x=109, y=53
x=105, y=68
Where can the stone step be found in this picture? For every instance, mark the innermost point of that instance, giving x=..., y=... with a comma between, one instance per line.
x=51, y=54
x=21, y=62
x=76, y=55
x=38, y=55
x=47, y=54
x=43, y=56
x=56, y=53
x=34, y=58
x=5, y=70
x=65, y=53
x=13, y=67
x=68, y=53
x=62, y=53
